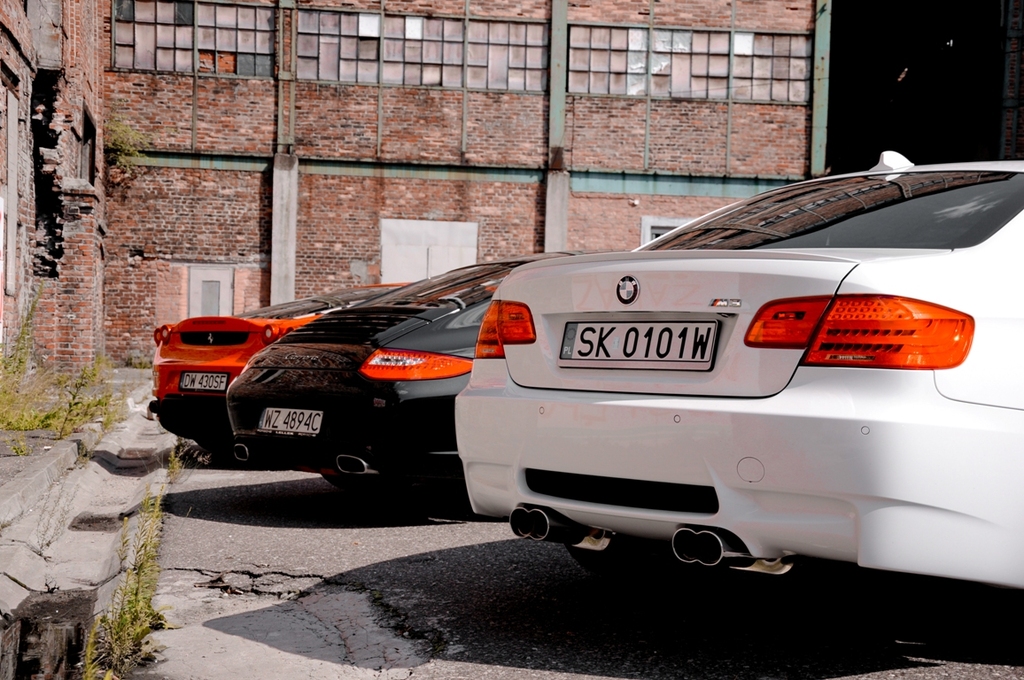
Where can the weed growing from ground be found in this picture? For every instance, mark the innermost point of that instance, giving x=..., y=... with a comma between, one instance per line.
x=116, y=643
x=18, y=445
x=54, y=513
x=33, y=397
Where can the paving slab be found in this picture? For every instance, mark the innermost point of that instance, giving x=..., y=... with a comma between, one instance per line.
x=25, y=489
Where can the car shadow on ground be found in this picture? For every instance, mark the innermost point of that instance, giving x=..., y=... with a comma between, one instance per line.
x=527, y=605
x=310, y=502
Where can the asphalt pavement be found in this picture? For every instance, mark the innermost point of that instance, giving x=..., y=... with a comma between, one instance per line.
x=278, y=574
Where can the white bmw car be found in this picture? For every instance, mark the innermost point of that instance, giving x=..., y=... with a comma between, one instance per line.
x=832, y=369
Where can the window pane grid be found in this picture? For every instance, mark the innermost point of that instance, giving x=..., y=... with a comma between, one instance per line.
x=689, y=64
x=410, y=50
x=161, y=36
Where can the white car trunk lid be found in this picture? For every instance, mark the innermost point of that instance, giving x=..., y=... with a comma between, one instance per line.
x=671, y=338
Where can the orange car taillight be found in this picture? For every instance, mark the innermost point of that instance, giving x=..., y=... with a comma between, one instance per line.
x=407, y=364
x=269, y=334
x=786, y=324
x=890, y=332
x=162, y=334
x=506, y=323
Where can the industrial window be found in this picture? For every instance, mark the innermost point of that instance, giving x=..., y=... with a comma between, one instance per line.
x=409, y=50
x=771, y=67
x=335, y=46
x=608, y=60
x=689, y=64
x=172, y=36
x=420, y=51
x=503, y=56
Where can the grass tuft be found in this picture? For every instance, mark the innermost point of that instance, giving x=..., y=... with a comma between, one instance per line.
x=117, y=640
x=33, y=397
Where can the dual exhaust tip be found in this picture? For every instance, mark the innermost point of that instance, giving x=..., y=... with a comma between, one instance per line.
x=701, y=546
x=541, y=524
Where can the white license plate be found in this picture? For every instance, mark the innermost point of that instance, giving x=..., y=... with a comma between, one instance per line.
x=203, y=382
x=677, y=345
x=291, y=421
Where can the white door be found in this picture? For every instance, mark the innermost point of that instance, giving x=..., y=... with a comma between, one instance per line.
x=411, y=250
x=210, y=291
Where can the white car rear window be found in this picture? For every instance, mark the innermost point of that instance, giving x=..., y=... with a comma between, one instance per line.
x=932, y=210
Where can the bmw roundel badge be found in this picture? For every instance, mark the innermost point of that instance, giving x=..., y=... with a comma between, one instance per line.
x=628, y=290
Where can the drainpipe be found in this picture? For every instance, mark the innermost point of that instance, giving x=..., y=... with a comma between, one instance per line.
x=819, y=113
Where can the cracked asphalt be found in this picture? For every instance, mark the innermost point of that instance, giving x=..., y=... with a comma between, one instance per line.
x=279, y=575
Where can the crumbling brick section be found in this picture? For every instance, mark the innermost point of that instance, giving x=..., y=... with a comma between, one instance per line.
x=68, y=252
x=69, y=318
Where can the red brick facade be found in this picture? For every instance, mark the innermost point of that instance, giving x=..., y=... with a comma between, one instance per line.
x=474, y=149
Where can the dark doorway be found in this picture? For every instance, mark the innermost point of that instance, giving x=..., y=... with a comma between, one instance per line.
x=921, y=77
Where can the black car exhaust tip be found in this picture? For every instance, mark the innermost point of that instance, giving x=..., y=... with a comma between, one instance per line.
x=703, y=547
x=241, y=452
x=352, y=465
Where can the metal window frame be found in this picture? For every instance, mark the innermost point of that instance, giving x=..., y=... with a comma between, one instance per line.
x=730, y=99
x=464, y=18
x=194, y=72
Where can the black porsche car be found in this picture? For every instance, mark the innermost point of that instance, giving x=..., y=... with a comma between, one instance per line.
x=366, y=394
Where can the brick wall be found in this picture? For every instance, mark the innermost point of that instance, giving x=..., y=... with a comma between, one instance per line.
x=504, y=128
x=21, y=216
x=689, y=137
x=422, y=125
x=339, y=221
x=770, y=140
x=613, y=221
x=787, y=15
x=69, y=222
x=335, y=121
x=157, y=105
x=605, y=132
x=236, y=115
x=169, y=216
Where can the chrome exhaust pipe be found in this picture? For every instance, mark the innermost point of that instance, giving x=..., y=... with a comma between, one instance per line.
x=241, y=452
x=353, y=465
x=703, y=547
x=542, y=524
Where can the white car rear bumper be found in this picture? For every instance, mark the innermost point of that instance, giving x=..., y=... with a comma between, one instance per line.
x=862, y=465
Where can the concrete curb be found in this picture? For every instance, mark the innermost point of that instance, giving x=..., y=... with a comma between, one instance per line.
x=25, y=490
x=61, y=531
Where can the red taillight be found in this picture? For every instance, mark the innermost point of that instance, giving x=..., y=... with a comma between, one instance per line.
x=407, y=364
x=162, y=334
x=506, y=323
x=269, y=334
x=890, y=332
x=786, y=324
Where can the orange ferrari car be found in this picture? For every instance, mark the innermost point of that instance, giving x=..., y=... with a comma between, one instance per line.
x=196, y=359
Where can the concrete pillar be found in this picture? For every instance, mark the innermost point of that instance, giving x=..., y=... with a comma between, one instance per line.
x=285, y=214
x=556, y=206
x=556, y=211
